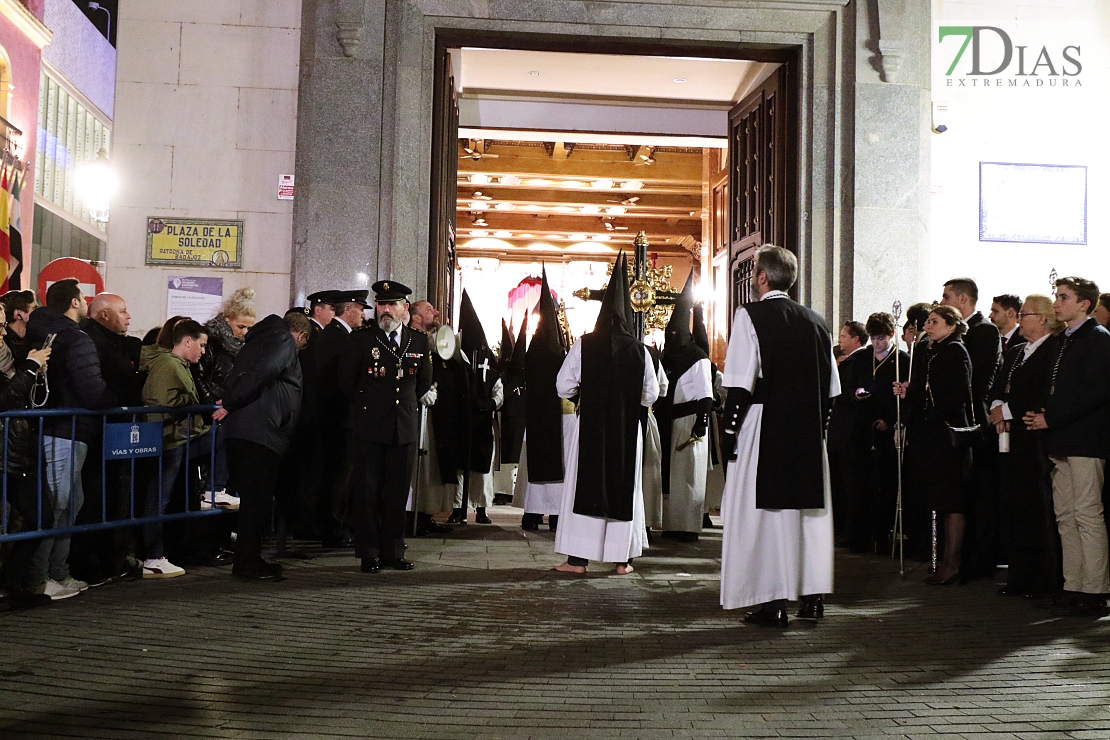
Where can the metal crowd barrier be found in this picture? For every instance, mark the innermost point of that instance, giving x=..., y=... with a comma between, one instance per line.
x=119, y=440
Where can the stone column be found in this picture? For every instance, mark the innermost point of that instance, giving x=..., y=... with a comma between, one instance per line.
x=891, y=184
x=340, y=199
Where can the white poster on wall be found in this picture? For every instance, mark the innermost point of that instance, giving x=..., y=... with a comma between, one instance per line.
x=199, y=298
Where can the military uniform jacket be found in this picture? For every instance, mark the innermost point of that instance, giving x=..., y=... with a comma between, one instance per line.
x=383, y=385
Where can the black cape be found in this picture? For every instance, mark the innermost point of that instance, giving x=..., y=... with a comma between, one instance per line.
x=543, y=407
x=795, y=350
x=610, y=410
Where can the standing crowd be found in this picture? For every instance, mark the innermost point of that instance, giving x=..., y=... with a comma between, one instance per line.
x=1007, y=431
x=982, y=445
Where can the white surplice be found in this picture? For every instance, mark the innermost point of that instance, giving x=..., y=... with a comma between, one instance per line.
x=435, y=497
x=767, y=554
x=597, y=538
x=542, y=498
x=715, y=477
x=682, y=507
x=653, y=461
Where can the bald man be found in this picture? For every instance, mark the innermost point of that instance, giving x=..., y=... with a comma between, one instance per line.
x=107, y=324
x=98, y=556
x=424, y=317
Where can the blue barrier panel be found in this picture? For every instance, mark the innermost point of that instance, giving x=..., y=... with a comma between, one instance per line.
x=121, y=441
x=132, y=439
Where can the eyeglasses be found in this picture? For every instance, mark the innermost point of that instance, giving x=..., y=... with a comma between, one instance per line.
x=1023, y=315
x=3, y=324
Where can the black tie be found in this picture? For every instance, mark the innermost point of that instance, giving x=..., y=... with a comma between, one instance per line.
x=393, y=340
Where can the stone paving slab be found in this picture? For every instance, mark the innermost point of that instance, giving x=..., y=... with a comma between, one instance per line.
x=483, y=640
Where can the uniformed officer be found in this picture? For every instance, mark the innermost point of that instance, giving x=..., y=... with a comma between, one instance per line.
x=328, y=405
x=321, y=309
x=385, y=371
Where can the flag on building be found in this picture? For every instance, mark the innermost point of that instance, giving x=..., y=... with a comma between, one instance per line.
x=5, y=243
x=15, y=237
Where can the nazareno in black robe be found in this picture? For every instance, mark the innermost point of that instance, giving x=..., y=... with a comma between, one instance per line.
x=514, y=408
x=610, y=409
x=543, y=407
x=482, y=373
x=680, y=353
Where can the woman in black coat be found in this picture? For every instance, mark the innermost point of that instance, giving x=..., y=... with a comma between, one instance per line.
x=938, y=399
x=1026, y=491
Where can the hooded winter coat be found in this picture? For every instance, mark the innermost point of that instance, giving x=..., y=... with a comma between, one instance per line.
x=263, y=393
x=73, y=374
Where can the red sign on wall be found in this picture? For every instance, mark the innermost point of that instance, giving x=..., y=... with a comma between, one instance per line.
x=90, y=279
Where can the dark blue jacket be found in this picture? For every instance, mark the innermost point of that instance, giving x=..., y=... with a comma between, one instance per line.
x=263, y=391
x=1078, y=408
x=73, y=372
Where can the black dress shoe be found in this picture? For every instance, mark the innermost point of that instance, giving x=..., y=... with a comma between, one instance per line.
x=481, y=518
x=768, y=617
x=706, y=522
x=261, y=571
x=812, y=607
x=400, y=564
x=458, y=516
x=370, y=565
x=335, y=543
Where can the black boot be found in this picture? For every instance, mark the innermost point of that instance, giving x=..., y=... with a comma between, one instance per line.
x=813, y=607
x=771, y=614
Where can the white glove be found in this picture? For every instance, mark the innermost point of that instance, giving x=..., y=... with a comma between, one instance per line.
x=429, y=398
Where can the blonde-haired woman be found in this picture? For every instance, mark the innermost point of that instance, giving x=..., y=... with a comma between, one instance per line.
x=226, y=333
x=1026, y=490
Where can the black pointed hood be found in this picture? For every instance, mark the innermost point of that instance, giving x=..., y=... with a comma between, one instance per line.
x=548, y=332
x=680, y=351
x=701, y=336
x=505, y=351
x=515, y=362
x=473, y=335
x=615, y=316
x=678, y=328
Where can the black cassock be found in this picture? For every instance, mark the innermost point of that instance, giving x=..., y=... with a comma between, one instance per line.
x=482, y=378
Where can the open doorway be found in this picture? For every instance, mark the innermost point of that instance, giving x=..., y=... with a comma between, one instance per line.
x=563, y=158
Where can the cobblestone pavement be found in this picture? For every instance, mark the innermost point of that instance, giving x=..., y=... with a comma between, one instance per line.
x=482, y=640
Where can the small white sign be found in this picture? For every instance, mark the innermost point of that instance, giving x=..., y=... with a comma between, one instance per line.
x=199, y=298
x=285, y=187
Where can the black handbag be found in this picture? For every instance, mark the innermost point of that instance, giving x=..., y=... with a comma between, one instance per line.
x=961, y=438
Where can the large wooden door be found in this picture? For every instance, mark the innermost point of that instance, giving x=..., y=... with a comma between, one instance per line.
x=758, y=180
x=445, y=168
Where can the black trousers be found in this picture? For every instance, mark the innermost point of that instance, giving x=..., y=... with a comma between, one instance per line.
x=330, y=468
x=379, y=489
x=254, y=472
x=23, y=498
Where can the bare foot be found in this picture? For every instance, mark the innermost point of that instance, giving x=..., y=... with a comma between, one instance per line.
x=568, y=568
x=623, y=569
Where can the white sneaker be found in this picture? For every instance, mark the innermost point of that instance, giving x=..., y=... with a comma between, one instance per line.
x=161, y=568
x=71, y=582
x=54, y=590
x=226, y=501
x=222, y=499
